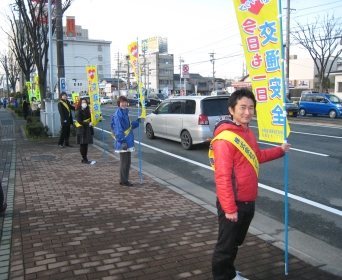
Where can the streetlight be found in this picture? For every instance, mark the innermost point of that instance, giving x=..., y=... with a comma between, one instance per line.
x=88, y=60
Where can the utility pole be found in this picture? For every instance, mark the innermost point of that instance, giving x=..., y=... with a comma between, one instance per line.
x=180, y=73
x=118, y=71
x=287, y=54
x=212, y=56
x=128, y=82
x=59, y=44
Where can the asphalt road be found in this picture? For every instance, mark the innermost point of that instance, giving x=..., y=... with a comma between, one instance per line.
x=314, y=172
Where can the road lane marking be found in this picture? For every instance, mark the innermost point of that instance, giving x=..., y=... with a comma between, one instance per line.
x=304, y=200
x=294, y=149
x=295, y=197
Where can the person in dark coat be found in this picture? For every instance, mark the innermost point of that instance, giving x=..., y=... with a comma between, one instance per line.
x=84, y=129
x=26, y=107
x=64, y=108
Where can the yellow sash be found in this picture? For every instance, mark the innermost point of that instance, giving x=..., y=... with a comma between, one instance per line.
x=66, y=106
x=240, y=144
x=78, y=124
x=126, y=132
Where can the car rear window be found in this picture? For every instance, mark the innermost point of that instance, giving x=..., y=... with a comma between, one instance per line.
x=215, y=107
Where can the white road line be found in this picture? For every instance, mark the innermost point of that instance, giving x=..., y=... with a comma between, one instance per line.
x=294, y=149
x=304, y=200
x=295, y=197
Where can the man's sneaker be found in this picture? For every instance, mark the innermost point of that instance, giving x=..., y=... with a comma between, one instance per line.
x=238, y=277
x=61, y=146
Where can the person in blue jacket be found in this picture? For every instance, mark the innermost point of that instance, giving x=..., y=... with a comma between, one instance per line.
x=122, y=132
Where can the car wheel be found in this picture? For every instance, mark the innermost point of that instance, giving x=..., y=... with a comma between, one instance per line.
x=149, y=131
x=186, y=140
x=302, y=112
x=332, y=114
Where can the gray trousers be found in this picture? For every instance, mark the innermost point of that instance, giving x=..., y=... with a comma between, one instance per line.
x=125, y=164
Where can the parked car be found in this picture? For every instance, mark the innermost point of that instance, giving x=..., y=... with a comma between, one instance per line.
x=133, y=100
x=320, y=104
x=189, y=120
x=106, y=100
x=291, y=108
x=156, y=98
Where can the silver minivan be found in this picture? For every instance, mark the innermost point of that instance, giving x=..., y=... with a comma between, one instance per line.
x=189, y=120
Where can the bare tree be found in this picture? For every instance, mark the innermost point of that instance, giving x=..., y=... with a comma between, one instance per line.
x=18, y=44
x=34, y=17
x=321, y=39
x=11, y=68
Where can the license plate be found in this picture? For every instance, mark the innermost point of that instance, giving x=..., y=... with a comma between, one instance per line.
x=290, y=113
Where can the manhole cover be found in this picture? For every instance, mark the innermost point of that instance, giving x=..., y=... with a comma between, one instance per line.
x=43, y=157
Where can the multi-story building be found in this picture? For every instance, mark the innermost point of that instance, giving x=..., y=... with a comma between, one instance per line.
x=78, y=53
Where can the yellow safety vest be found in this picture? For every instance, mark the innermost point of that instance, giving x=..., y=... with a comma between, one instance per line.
x=240, y=144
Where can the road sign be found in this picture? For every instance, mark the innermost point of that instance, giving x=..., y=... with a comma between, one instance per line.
x=186, y=71
x=62, y=84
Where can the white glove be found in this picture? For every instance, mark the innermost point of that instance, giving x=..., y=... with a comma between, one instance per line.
x=91, y=124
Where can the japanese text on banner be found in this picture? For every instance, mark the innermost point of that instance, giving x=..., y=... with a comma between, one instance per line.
x=261, y=33
x=133, y=57
x=93, y=89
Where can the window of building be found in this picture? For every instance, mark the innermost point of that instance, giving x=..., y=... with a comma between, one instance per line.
x=339, y=87
x=100, y=67
x=99, y=48
x=100, y=58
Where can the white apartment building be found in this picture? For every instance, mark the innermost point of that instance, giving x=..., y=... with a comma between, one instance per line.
x=78, y=53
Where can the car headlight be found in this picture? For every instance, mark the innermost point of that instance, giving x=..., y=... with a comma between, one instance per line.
x=339, y=105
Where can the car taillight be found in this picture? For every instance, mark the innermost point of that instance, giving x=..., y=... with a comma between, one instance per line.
x=203, y=120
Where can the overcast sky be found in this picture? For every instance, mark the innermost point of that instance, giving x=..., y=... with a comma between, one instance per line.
x=194, y=28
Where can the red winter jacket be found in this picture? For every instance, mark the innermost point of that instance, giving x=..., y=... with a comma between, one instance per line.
x=235, y=177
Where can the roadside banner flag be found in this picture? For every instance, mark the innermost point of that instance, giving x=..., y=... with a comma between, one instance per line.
x=93, y=90
x=134, y=59
x=261, y=35
x=29, y=90
x=260, y=27
x=75, y=98
x=36, y=88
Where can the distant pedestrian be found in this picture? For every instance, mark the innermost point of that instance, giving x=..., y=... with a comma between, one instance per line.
x=3, y=205
x=122, y=132
x=84, y=129
x=326, y=90
x=236, y=178
x=26, y=107
x=5, y=102
x=64, y=108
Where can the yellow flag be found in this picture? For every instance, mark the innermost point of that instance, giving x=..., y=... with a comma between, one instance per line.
x=36, y=88
x=261, y=36
x=134, y=59
x=93, y=90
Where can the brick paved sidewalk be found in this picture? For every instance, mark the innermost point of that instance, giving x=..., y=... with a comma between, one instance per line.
x=74, y=221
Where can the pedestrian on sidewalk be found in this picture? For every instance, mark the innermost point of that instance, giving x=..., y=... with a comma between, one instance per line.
x=3, y=205
x=84, y=129
x=122, y=132
x=64, y=108
x=34, y=107
x=26, y=107
x=236, y=178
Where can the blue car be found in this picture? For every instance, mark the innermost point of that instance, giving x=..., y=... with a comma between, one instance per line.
x=320, y=104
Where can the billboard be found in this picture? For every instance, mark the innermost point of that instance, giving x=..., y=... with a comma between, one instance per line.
x=150, y=45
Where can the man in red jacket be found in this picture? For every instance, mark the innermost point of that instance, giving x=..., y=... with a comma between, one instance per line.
x=236, y=162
